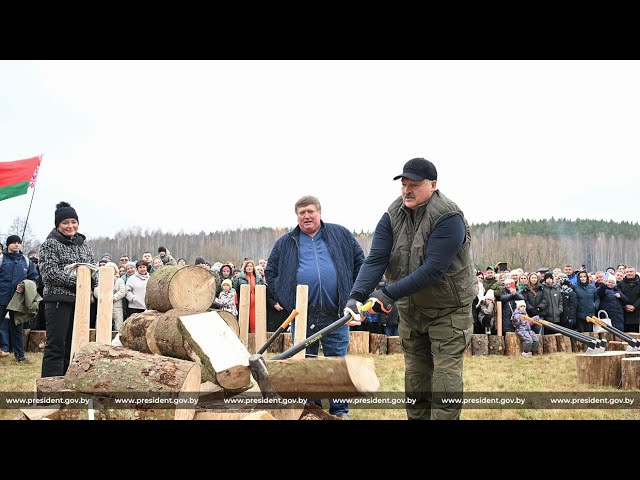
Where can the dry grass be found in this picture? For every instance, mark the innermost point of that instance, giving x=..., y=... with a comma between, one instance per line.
x=481, y=374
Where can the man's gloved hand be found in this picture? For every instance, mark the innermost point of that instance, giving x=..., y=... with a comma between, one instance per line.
x=381, y=303
x=353, y=309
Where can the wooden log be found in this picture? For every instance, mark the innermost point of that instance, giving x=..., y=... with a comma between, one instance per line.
x=617, y=346
x=630, y=373
x=276, y=346
x=107, y=372
x=513, y=344
x=394, y=345
x=468, y=351
x=261, y=315
x=230, y=320
x=42, y=413
x=25, y=337
x=603, y=368
x=377, y=344
x=244, y=305
x=479, y=344
x=137, y=332
x=358, y=343
x=499, y=318
x=210, y=391
x=105, y=305
x=187, y=288
x=80, y=335
x=218, y=349
x=259, y=415
x=294, y=377
x=314, y=412
x=37, y=341
x=496, y=345
x=580, y=347
x=550, y=344
x=564, y=344
x=608, y=336
x=48, y=385
x=288, y=413
x=302, y=296
x=251, y=343
x=539, y=350
x=287, y=341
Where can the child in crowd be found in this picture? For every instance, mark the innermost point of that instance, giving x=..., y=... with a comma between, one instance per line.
x=227, y=298
x=486, y=310
x=523, y=328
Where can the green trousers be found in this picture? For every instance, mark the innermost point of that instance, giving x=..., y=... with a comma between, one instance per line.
x=433, y=356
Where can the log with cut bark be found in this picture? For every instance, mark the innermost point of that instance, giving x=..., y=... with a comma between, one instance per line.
x=513, y=344
x=172, y=287
x=603, y=368
x=276, y=346
x=37, y=341
x=287, y=341
x=394, y=345
x=378, y=344
x=564, y=344
x=496, y=345
x=223, y=356
x=358, y=343
x=630, y=373
x=550, y=343
x=479, y=344
x=109, y=373
x=305, y=377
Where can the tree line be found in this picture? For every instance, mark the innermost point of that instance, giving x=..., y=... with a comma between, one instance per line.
x=529, y=244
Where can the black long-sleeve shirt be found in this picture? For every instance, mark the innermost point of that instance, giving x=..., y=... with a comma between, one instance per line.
x=445, y=240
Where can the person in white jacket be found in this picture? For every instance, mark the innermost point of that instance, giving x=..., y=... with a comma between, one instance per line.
x=137, y=288
x=119, y=292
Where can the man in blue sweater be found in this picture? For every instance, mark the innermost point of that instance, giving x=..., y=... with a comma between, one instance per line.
x=422, y=245
x=327, y=258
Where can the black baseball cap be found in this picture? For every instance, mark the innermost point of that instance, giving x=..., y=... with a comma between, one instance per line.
x=418, y=169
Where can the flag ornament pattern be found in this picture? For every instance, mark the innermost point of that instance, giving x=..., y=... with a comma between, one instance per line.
x=16, y=177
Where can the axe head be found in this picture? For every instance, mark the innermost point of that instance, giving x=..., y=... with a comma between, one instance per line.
x=260, y=373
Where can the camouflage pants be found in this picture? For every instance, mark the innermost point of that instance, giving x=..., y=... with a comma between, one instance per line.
x=433, y=356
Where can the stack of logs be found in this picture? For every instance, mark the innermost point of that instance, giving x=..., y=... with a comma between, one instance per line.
x=187, y=355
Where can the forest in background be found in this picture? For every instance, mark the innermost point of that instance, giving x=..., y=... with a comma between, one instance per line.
x=529, y=244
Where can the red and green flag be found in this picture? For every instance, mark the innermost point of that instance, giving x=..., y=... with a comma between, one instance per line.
x=16, y=177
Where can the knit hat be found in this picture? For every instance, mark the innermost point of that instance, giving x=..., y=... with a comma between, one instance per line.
x=226, y=282
x=64, y=211
x=106, y=255
x=548, y=275
x=520, y=303
x=130, y=264
x=13, y=239
x=199, y=261
x=567, y=282
x=162, y=249
x=490, y=295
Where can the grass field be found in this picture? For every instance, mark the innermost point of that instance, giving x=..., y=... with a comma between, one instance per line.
x=552, y=373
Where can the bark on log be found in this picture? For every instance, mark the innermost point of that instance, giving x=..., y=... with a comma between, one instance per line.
x=602, y=369
x=630, y=372
x=305, y=377
x=564, y=344
x=358, y=343
x=221, y=353
x=378, y=344
x=172, y=287
x=468, y=351
x=550, y=344
x=580, y=347
x=617, y=347
x=37, y=341
x=496, y=345
x=112, y=372
x=314, y=412
x=251, y=343
x=287, y=342
x=136, y=329
x=513, y=344
x=276, y=346
x=394, y=345
x=49, y=385
x=479, y=344
x=540, y=347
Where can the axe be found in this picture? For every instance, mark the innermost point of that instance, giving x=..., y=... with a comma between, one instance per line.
x=594, y=345
x=633, y=344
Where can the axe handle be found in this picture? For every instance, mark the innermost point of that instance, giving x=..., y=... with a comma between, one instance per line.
x=281, y=328
x=598, y=321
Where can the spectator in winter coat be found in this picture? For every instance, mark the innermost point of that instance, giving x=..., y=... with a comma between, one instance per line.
x=630, y=286
x=588, y=302
x=137, y=288
x=63, y=246
x=251, y=278
x=486, y=311
x=227, y=298
x=165, y=256
x=523, y=328
x=552, y=295
x=612, y=301
x=534, y=298
x=508, y=299
x=569, y=304
x=119, y=292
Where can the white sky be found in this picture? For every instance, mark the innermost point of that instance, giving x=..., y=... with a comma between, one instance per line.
x=212, y=145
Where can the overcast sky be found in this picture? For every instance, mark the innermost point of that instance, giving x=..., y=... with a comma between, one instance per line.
x=213, y=145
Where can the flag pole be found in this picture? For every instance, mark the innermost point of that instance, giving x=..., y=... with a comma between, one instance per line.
x=31, y=202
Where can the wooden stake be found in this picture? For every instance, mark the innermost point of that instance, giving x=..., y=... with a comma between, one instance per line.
x=302, y=296
x=243, y=313
x=83, y=305
x=261, y=315
x=105, y=305
x=499, y=318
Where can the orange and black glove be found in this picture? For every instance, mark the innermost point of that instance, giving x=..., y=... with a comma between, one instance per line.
x=381, y=302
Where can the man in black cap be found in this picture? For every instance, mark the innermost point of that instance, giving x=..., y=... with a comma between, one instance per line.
x=422, y=244
x=14, y=269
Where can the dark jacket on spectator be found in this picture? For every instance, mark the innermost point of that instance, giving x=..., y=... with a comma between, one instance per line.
x=508, y=307
x=631, y=289
x=588, y=303
x=535, y=301
x=569, y=306
x=612, y=305
x=553, y=310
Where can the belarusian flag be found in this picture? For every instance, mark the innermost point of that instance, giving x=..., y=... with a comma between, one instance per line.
x=16, y=177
